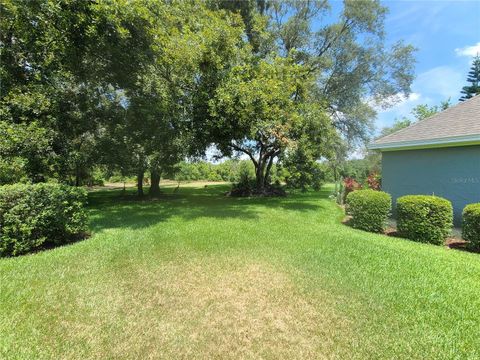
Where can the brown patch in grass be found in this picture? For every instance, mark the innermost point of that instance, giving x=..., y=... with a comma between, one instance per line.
x=347, y=220
x=202, y=310
x=391, y=231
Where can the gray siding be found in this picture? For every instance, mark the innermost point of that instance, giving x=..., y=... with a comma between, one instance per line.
x=452, y=173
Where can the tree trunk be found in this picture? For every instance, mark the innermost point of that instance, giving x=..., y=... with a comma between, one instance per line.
x=269, y=167
x=140, y=183
x=262, y=170
x=263, y=165
x=154, y=183
x=260, y=178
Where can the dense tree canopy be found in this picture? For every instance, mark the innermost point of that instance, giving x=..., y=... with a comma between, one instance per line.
x=264, y=110
x=343, y=72
x=353, y=67
x=137, y=86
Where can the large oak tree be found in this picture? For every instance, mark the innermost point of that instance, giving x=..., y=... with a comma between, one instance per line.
x=343, y=64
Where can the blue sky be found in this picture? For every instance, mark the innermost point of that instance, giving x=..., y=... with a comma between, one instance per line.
x=447, y=36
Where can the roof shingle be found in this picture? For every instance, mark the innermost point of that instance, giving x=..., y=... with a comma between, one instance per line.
x=461, y=120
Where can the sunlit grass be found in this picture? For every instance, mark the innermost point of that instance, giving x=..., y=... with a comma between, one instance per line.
x=197, y=274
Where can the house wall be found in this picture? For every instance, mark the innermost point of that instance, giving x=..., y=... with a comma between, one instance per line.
x=452, y=173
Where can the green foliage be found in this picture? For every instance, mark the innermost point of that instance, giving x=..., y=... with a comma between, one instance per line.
x=474, y=79
x=424, y=218
x=108, y=83
x=245, y=173
x=398, y=125
x=230, y=170
x=32, y=216
x=304, y=175
x=97, y=177
x=347, y=55
x=25, y=152
x=264, y=110
x=186, y=172
x=358, y=169
x=471, y=225
x=139, y=86
x=118, y=178
x=12, y=170
x=419, y=113
x=424, y=111
x=245, y=186
x=300, y=162
x=369, y=209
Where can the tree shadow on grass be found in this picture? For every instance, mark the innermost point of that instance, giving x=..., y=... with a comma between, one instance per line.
x=114, y=209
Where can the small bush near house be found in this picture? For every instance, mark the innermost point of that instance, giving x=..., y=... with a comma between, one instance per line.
x=374, y=181
x=471, y=225
x=369, y=209
x=350, y=185
x=424, y=218
x=32, y=216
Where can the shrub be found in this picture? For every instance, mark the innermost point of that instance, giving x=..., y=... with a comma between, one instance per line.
x=369, y=209
x=471, y=225
x=424, y=218
x=32, y=216
x=350, y=185
x=374, y=181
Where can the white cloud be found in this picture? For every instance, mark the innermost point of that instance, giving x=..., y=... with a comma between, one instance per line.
x=413, y=96
x=393, y=101
x=431, y=87
x=419, y=12
x=473, y=50
x=442, y=81
x=400, y=99
x=403, y=107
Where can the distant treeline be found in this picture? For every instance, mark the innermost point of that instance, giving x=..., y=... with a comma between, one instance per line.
x=234, y=171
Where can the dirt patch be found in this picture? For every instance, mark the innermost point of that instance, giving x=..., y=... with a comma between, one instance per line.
x=347, y=220
x=459, y=244
x=214, y=311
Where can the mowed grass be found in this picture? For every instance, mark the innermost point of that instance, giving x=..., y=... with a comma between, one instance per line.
x=198, y=275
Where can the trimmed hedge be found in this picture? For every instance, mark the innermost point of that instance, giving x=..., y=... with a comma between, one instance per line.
x=32, y=216
x=471, y=225
x=369, y=209
x=424, y=218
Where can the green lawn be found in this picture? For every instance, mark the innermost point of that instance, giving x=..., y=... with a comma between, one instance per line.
x=196, y=274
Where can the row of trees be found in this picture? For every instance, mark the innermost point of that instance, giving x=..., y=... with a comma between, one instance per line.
x=138, y=86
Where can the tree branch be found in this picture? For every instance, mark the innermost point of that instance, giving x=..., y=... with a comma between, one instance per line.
x=245, y=151
x=270, y=164
x=328, y=44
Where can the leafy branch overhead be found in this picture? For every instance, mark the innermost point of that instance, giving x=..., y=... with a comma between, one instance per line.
x=264, y=110
x=137, y=86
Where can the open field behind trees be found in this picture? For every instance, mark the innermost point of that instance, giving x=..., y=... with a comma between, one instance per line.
x=197, y=274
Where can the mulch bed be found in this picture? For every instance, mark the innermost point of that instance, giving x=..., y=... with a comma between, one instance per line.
x=451, y=242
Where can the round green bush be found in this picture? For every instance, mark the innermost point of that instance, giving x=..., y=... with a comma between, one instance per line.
x=36, y=215
x=424, y=218
x=369, y=209
x=471, y=225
